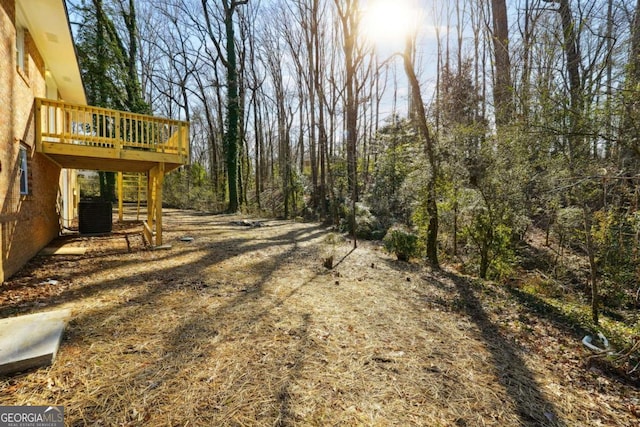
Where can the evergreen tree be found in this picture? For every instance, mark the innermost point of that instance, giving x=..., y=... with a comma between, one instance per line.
x=108, y=67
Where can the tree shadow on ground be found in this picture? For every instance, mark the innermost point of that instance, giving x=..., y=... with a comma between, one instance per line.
x=203, y=334
x=571, y=327
x=453, y=293
x=552, y=314
x=225, y=312
x=27, y=284
x=532, y=406
x=285, y=416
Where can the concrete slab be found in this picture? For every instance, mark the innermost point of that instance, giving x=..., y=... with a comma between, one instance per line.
x=161, y=247
x=30, y=341
x=63, y=251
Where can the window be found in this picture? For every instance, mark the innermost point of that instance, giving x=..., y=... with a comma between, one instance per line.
x=24, y=172
x=20, y=53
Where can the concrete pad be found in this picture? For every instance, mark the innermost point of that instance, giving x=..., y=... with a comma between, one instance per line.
x=64, y=251
x=30, y=341
x=161, y=247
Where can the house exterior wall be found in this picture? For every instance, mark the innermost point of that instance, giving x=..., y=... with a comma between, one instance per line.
x=27, y=222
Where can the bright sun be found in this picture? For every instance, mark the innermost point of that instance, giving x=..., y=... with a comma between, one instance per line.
x=388, y=22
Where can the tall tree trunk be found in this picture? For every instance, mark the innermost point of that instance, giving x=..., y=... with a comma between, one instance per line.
x=233, y=108
x=502, y=87
x=631, y=118
x=349, y=20
x=322, y=132
x=231, y=136
x=312, y=52
x=258, y=147
x=423, y=128
x=609, y=90
x=573, y=61
x=527, y=38
x=134, y=92
x=634, y=59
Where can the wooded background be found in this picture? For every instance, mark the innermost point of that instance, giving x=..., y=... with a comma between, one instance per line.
x=491, y=124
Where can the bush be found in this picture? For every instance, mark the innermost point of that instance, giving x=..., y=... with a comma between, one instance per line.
x=367, y=225
x=614, y=295
x=569, y=227
x=401, y=242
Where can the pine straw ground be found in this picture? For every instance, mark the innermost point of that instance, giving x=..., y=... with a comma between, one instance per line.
x=244, y=326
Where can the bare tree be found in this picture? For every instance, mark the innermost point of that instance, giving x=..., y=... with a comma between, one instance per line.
x=502, y=87
x=229, y=60
x=348, y=14
x=631, y=114
x=429, y=141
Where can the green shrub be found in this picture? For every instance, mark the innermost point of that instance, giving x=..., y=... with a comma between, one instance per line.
x=613, y=294
x=367, y=225
x=401, y=242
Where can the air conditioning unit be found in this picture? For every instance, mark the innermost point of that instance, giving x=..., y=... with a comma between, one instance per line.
x=95, y=217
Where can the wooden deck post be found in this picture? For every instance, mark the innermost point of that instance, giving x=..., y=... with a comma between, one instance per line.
x=158, y=200
x=150, y=199
x=120, y=194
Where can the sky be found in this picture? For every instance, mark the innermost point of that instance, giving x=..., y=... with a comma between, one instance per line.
x=387, y=23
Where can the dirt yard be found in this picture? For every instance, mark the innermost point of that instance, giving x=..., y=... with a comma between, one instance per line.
x=244, y=326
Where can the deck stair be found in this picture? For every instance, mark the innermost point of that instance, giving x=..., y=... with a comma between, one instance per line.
x=132, y=188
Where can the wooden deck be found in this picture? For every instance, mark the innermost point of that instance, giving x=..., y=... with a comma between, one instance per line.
x=85, y=137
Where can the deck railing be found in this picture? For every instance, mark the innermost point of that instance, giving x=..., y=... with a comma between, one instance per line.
x=64, y=123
